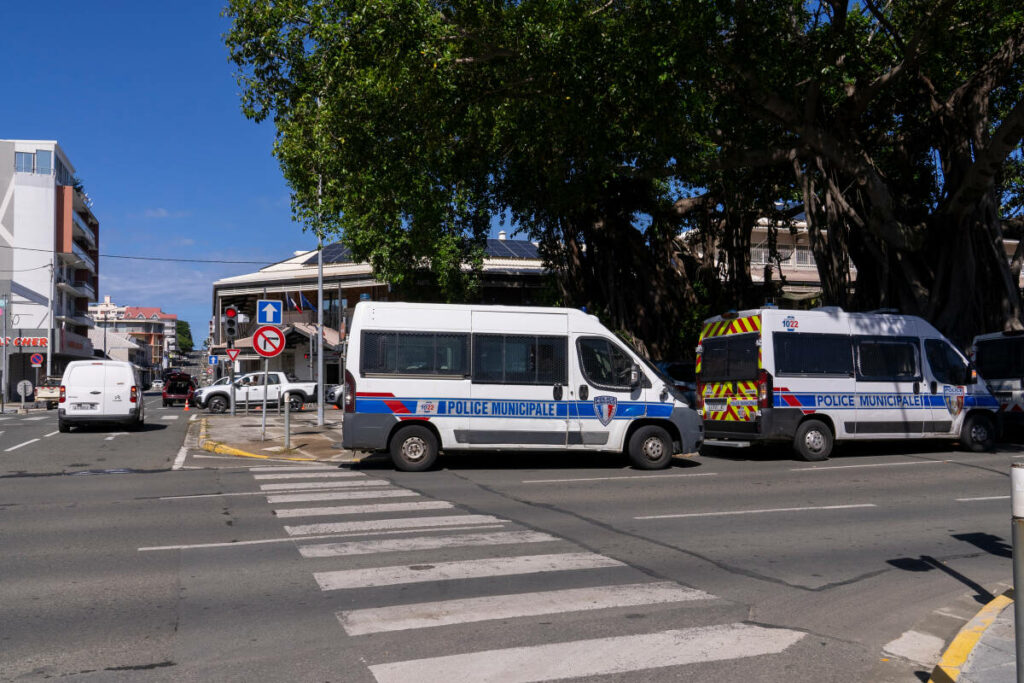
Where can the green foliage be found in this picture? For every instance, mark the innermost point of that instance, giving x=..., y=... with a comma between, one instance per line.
x=184, y=334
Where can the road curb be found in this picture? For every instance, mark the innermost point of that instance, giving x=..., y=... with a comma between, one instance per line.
x=953, y=659
x=217, y=447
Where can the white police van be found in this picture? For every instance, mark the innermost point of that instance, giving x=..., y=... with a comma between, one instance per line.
x=424, y=377
x=999, y=357
x=815, y=377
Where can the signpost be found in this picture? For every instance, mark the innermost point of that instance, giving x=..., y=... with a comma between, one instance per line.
x=37, y=360
x=25, y=390
x=3, y=363
x=232, y=356
x=212, y=360
x=267, y=341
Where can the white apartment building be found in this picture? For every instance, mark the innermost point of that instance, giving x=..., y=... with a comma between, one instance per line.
x=150, y=327
x=49, y=261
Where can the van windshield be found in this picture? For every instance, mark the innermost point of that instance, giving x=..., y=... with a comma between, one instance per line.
x=733, y=357
x=1000, y=358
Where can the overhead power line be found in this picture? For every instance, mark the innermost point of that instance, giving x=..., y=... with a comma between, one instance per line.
x=151, y=258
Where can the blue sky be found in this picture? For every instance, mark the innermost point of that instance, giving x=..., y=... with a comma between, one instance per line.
x=143, y=101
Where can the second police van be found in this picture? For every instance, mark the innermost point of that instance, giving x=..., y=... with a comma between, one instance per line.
x=999, y=357
x=816, y=377
x=420, y=378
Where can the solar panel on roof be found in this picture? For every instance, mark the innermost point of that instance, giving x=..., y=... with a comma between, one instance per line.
x=333, y=253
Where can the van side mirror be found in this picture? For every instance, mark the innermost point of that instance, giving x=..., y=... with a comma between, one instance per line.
x=634, y=376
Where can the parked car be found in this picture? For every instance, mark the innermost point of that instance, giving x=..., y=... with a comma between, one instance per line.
x=49, y=392
x=158, y=384
x=335, y=394
x=100, y=391
x=178, y=386
x=684, y=377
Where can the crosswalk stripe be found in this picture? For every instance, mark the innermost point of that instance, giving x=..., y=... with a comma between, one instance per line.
x=467, y=569
x=308, y=475
x=364, y=509
x=596, y=657
x=395, y=545
x=401, y=523
x=34, y=419
x=169, y=417
x=339, y=495
x=447, y=612
x=299, y=485
x=292, y=468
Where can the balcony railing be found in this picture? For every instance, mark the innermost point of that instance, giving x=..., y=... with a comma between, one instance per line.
x=80, y=253
x=83, y=230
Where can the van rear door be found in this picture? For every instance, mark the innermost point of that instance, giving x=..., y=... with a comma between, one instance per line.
x=84, y=389
x=117, y=390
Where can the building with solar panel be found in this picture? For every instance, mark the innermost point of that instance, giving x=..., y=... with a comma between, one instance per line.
x=513, y=274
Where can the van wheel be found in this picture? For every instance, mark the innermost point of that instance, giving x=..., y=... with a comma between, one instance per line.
x=217, y=404
x=813, y=441
x=650, y=448
x=63, y=426
x=414, y=449
x=978, y=433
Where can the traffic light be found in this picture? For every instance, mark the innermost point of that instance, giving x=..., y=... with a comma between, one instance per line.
x=231, y=322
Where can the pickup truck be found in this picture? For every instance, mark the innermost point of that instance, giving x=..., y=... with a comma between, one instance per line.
x=49, y=392
x=251, y=388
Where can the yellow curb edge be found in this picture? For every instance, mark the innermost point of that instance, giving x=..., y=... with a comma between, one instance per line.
x=960, y=648
x=219, y=448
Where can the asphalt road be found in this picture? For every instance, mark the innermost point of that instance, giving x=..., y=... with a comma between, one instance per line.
x=734, y=566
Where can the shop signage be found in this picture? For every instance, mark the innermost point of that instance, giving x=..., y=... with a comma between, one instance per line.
x=23, y=341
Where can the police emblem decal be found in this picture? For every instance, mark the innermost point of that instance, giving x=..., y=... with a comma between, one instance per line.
x=605, y=407
x=953, y=397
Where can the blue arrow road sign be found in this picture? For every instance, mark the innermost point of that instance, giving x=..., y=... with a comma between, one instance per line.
x=213, y=360
x=268, y=312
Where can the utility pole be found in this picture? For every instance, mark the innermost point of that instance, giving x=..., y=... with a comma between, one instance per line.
x=3, y=366
x=52, y=334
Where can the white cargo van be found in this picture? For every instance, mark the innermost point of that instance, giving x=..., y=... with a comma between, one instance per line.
x=999, y=358
x=815, y=377
x=424, y=377
x=100, y=391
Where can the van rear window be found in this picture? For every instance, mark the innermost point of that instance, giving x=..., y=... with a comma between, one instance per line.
x=87, y=375
x=1000, y=358
x=729, y=358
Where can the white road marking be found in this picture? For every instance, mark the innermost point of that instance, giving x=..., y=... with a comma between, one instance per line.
x=447, y=612
x=879, y=464
x=228, y=544
x=340, y=495
x=596, y=657
x=46, y=435
x=34, y=419
x=467, y=569
x=293, y=468
x=922, y=648
x=180, y=460
x=640, y=476
x=295, y=486
x=401, y=523
x=423, y=543
x=169, y=417
x=755, y=512
x=309, y=475
x=364, y=509
x=8, y=450
x=967, y=500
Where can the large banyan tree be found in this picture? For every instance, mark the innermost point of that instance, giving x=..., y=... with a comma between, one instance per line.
x=606, y=130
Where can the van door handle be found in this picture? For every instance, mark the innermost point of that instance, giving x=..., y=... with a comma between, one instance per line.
x=584, y=392
x=917, y=387
x=95, y=392
x=935, y=387
x=557, y=392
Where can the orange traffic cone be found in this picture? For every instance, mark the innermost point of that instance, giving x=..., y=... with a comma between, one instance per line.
x=186, y=405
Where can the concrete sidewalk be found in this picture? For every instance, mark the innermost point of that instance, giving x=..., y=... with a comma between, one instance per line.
x=241, y=436
x=984, y=650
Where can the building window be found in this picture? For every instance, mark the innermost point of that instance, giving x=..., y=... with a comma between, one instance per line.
x=804, y=256
x=44, y=160
x=24, y=162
